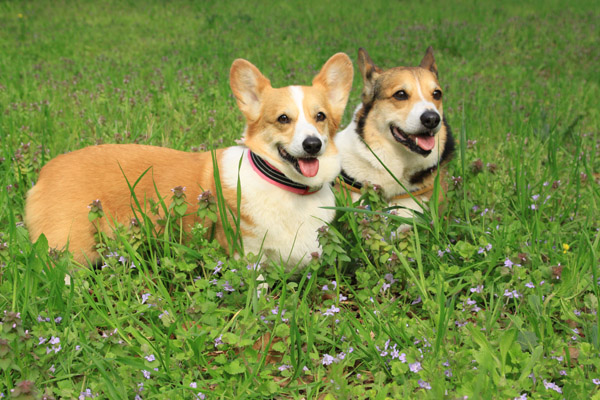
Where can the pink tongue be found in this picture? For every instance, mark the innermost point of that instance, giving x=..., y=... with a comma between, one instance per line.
x=425, y=142
x=308, y=166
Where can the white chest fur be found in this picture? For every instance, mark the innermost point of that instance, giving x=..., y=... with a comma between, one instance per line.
x=287, y=222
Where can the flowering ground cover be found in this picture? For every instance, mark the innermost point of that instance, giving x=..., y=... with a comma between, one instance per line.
x=494, y=297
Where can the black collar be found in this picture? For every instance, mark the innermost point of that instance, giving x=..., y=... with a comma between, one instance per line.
x=350, y=181
x=276, y=177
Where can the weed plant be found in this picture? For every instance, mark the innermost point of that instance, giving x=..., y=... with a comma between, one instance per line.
x=493, y=297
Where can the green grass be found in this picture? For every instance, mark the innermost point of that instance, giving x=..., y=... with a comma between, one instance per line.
x=493, y=299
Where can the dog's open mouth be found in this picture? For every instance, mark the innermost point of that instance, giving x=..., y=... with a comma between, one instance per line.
x=421, y=144
x=308, y=167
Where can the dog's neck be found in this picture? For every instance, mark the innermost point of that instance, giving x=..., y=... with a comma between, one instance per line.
x=361, y=164
x=276, y=177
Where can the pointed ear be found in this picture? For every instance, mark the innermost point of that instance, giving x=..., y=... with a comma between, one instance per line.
x=247, y=84
x=336, y=77
x=369, y=72
x=428, y=62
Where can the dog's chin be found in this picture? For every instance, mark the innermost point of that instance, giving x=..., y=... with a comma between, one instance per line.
x=421, y=143
x=308, y=167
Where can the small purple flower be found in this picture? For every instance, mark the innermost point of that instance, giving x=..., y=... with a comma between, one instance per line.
x=424, y=385
x=284, y=367
x=217, y=268
x=508, y=263
x=219, y=341
x=122, y=260
x=402, y=358
x=389, y=278
x=331, y=311
x=552, y=386
x=227, y=286
x=385, y=287
x=328, y=360
x=562, y=372
x=416, y=301
x=146, y=374
x=42, y=340
x=150, y=358
x=193, y=385
x=214, y=282
x=477, y=289
x=52, y=369
x=440, y=253
x=201, y=396
x=448, y=373
x=219, y=294
x=530, y=285
x=54, y=340
x=343, y=298
x=58, y=320
x=334, y=283
x=596, y=381
x=415, y=367
x=145, y=297
x=535, y=197
x=488, y=247
x=163, y=314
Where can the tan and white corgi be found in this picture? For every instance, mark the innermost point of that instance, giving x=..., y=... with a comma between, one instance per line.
x=401, y=119
x=288, y=160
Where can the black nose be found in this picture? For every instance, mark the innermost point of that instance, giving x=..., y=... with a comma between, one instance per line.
x=312, y=145
x=430, y=119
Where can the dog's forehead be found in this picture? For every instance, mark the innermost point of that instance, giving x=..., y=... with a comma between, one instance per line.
x=407, y=77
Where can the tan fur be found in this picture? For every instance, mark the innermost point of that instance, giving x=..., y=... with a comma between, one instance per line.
x=57, y=205
x=384, y=110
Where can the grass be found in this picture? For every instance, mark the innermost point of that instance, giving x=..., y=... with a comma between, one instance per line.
x=496, y=298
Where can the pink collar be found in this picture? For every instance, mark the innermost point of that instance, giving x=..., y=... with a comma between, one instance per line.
x=272, y=175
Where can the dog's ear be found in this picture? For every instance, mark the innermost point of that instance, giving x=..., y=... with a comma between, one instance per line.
x=247, y=84
x=369, y=72
x=336, y=78
x=428, y=62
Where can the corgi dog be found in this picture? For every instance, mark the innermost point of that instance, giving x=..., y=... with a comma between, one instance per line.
x=285, y=166
x=401, y=119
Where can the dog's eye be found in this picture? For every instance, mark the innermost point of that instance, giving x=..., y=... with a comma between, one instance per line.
x=321, y=116
x=401, y=95
x=437, y=94
x=283, y=119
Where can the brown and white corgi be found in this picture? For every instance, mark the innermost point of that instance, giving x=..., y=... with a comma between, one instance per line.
x=284, y=167
x=401, y=119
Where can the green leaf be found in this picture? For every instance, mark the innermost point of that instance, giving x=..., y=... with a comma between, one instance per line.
x=235, y=368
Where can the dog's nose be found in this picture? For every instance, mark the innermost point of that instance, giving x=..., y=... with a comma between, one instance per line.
x=430, y=119
x=312, y=145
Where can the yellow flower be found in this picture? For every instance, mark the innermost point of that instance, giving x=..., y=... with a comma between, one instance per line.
x=565, y=247
x=20, y=15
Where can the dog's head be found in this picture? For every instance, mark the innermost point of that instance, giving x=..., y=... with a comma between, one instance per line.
x=293, y=127
x=401, y=105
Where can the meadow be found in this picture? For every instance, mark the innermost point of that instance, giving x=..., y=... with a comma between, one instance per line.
x=496, y=297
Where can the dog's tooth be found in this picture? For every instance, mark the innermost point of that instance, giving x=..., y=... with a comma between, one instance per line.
x=417, y=141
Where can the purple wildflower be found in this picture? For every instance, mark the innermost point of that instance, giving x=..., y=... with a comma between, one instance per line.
x=530, y=285
x=283, y=367
x=150, y=358
x=328, y=360
x=424, y=385
x=415, y=367
x=193, y=385
x=508, y=263
x=227, y=286
x=596, y=381
x=219, y=341
x=145, y=297
x=553, y=386
x=146, y=374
